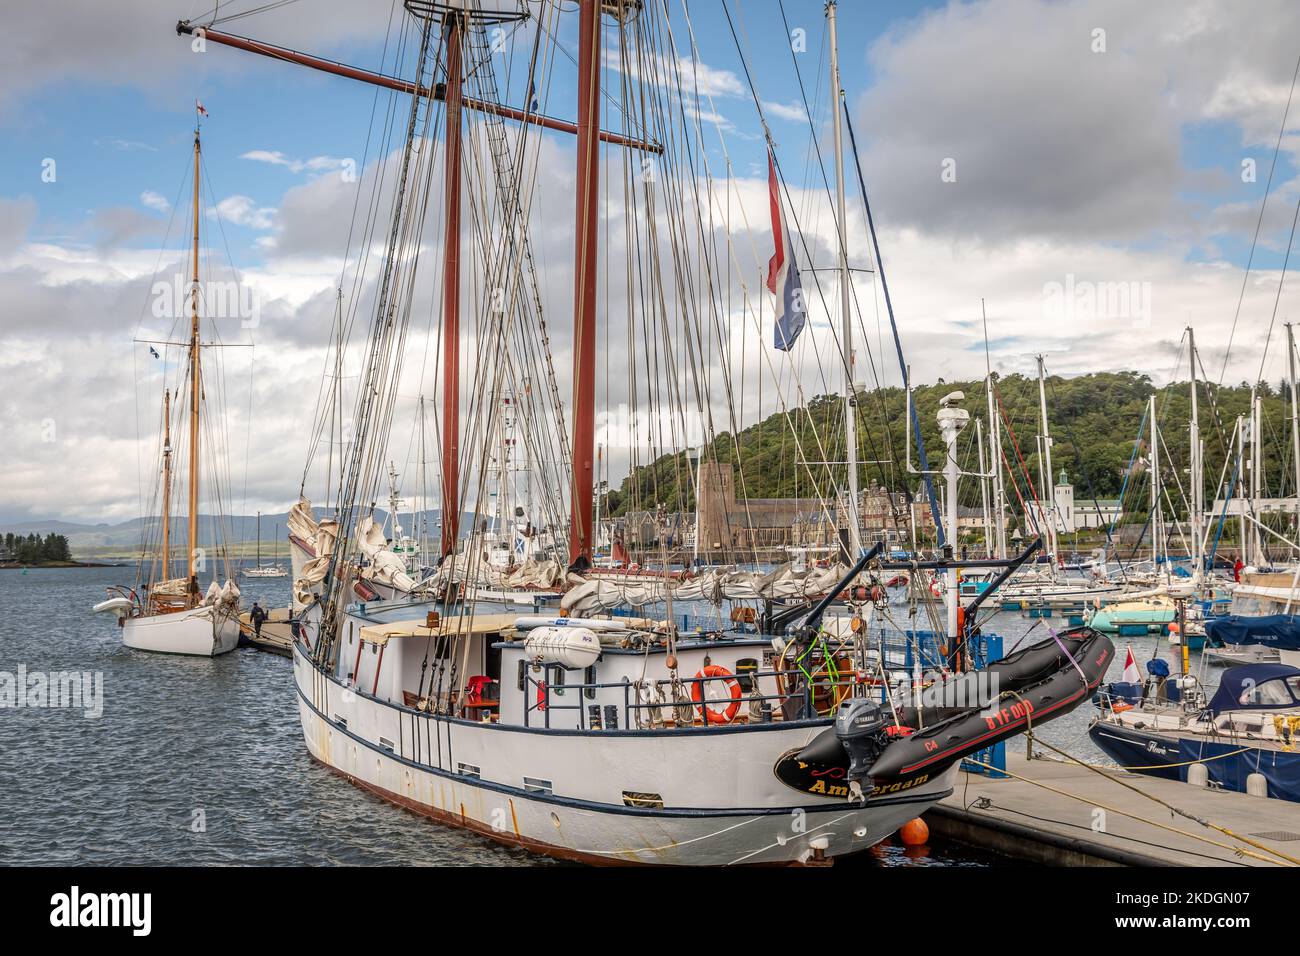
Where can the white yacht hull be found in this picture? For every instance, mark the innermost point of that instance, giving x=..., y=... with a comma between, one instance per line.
x=562, y=792
x=199, y=632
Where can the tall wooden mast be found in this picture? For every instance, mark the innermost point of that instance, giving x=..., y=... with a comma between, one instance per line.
x=167, y=487
x=589, y=134
x=584, y=285
x=846, y=288
x=451, y=295
x=195, y=387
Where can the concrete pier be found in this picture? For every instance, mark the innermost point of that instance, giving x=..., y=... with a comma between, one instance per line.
x=1026, y=821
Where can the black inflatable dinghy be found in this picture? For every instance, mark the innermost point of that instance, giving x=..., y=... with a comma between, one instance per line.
x=868, y=751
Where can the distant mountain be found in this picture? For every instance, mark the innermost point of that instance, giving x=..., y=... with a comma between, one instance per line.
x=89, y=539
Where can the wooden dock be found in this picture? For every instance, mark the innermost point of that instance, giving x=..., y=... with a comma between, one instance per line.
x=1081, y=820
x=277, y=633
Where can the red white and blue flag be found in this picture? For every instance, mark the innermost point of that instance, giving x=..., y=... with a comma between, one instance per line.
x=782, y=273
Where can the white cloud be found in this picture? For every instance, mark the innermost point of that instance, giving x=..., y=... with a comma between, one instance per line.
x=314, y=164
x=695, y=77
x=1048, y=137
x=242, y=211
x=791, y=112
x=155, y=200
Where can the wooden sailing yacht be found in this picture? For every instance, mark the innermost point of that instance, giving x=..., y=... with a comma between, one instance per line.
x=175, y=615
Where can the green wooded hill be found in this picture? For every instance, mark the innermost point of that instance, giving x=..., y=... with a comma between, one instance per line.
x=1094, y=422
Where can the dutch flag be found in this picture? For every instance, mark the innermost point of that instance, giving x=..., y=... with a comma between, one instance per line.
x=782, y=273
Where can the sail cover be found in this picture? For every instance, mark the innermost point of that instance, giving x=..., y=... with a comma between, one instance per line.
x=1281, y=631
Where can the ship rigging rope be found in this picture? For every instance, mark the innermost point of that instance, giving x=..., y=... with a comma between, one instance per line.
x=333, y=396
x=801, y=458
x=718, y=308
x=383, y=362
x=794, y=214
x=1087, y=476
x=1277, y=299
x=1245, y=279
x=1024, y=469
x=1154, y=766
x=252, y=11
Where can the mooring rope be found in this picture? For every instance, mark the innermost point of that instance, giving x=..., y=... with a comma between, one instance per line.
x=1173, y=809
x=1094, y=803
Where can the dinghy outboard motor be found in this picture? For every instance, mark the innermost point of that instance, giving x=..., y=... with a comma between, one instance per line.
x=860, y=730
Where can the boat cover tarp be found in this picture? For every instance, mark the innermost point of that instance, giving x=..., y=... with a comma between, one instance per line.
x=1240, y=688
x=473, y=569
x=1275, y=630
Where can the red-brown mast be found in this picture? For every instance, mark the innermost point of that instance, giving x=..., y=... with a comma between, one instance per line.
x=584, y=285
x=451, y=297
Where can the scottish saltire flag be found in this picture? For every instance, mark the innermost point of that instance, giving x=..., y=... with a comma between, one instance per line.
x=782, y=273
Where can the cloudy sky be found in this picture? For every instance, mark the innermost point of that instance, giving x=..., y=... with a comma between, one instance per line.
x=1026, y=153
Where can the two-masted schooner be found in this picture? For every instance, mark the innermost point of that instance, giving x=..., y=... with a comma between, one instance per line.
x=596, y=737
x=175, y=615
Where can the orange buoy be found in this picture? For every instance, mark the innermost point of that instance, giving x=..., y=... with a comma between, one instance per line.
x=914, y=832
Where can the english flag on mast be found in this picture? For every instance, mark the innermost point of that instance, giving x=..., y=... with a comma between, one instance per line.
x=198, y=107
x=782, y=273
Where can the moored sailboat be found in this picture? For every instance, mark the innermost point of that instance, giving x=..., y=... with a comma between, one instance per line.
x=260, y=570
x=166, y=614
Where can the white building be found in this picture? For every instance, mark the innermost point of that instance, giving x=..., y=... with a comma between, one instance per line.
x=1101, y=513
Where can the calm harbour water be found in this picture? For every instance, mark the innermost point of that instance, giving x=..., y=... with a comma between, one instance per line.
x=201, y=762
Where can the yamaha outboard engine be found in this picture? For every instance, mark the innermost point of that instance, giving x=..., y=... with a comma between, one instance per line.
x=860, y=729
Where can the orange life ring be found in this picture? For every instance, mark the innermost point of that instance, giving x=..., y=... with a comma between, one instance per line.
x=697, y=694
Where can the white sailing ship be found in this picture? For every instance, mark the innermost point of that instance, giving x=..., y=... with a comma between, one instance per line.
x=466, y=696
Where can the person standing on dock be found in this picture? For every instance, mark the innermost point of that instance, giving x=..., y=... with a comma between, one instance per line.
x=257, y=615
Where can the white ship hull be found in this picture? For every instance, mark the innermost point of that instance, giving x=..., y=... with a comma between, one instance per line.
x=200, y=632
x=562, y=792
